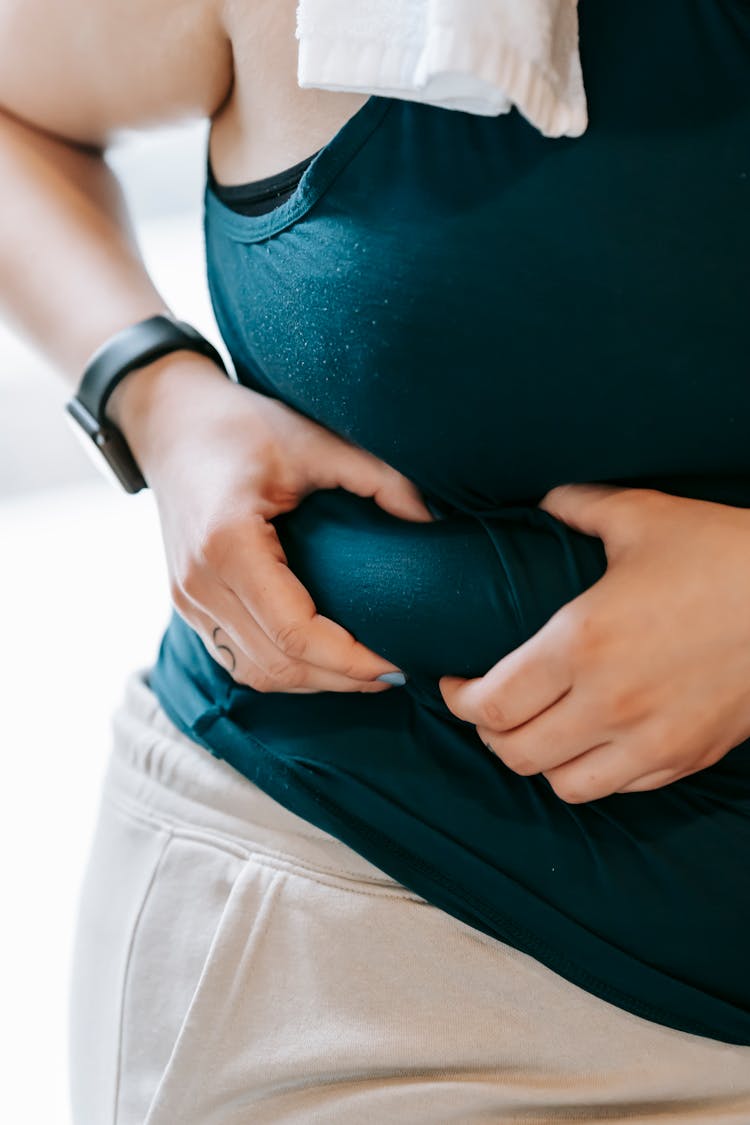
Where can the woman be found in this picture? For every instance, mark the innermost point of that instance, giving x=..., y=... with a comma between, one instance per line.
x=512, y=888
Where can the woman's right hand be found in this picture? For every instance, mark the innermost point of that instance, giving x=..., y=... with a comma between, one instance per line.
x=222, y=460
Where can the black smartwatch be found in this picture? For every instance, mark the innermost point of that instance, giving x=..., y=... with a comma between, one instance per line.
x=135, y=346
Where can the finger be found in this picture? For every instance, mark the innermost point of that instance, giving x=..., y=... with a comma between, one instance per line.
x=584, y=505
x=601, y=771
x=521, y=685
x=613, y=513
x=655, y=780
x=252, y=643
x=223, y=644
x=285, y=611
x=361, y=472
x=560, y=734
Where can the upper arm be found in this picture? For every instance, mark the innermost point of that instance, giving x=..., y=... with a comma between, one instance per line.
x=82, y=69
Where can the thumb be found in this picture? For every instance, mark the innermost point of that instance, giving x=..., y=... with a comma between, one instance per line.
x=584, y=507
x=363, y=473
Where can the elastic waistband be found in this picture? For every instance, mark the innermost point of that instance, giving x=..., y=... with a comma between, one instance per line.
x=157, y=769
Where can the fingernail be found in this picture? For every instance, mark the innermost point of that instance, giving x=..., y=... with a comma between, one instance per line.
x=397, y=678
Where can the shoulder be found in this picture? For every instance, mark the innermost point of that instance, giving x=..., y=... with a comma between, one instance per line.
x=84, y=69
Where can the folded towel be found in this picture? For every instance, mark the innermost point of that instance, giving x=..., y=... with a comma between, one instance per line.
x=480, y=56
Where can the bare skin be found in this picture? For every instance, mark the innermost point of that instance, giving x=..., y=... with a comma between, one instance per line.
x=221, y=460
x=141, y=64
x=269, y=123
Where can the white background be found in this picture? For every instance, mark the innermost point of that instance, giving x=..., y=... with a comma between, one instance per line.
x=84, y=599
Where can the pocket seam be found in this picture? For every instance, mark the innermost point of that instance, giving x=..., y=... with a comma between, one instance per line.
x=197, y=993
x=268, y=857
x=135, y=930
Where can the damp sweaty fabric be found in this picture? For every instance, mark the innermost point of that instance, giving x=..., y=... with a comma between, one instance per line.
x=494, y=313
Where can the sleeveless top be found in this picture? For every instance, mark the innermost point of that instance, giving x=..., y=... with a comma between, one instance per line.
x=493, y=312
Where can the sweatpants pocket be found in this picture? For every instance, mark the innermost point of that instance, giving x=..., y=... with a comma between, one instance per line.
x=150, y=903
x=295, y=995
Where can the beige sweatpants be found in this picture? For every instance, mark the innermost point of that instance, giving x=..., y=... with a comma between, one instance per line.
x=233, y=964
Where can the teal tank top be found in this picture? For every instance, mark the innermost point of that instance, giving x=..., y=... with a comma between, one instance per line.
x=493, y=312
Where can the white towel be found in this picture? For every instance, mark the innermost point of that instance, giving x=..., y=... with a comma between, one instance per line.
x=481, y=56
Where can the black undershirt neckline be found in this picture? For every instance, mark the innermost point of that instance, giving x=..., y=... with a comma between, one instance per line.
x=256, y=197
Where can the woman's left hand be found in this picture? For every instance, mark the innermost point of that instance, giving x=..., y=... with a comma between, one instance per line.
x=642, y=679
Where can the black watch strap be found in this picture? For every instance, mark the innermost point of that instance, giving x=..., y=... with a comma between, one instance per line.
x=134, y=346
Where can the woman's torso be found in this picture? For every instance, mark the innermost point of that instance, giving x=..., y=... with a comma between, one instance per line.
x=491, y=311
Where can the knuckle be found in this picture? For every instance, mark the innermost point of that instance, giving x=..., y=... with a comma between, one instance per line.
x=586, y=634
x=659, y=751
x=277, y=676
x=569, y=791
x=492, y=715
x=624, y=704
x=260, y=681
x=634, y=507
x=178, y=596
x=292, y=639
x=349, y=664
x=253, y=528
x=632, y=501
x=191, y=581
x=213, y=547
x=625, y=499
x=284, y=672
x=520, y=764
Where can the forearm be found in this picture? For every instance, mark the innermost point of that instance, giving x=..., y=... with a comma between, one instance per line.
x=71, y=273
